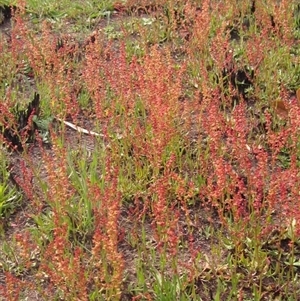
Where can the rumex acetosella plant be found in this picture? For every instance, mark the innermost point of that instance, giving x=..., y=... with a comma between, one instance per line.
x=252, y=178
x=197, y=168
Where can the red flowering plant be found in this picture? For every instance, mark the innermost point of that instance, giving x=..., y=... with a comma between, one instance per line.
x=172, y=165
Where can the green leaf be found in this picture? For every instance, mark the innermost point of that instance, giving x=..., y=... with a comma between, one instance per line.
x=42, y=124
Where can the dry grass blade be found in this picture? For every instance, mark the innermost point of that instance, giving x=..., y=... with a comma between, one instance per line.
x=79, y=129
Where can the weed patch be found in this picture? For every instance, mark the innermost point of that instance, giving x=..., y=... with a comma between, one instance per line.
x=149, y=150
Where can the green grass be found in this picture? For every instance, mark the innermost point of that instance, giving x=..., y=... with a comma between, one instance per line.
x=9, y=196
